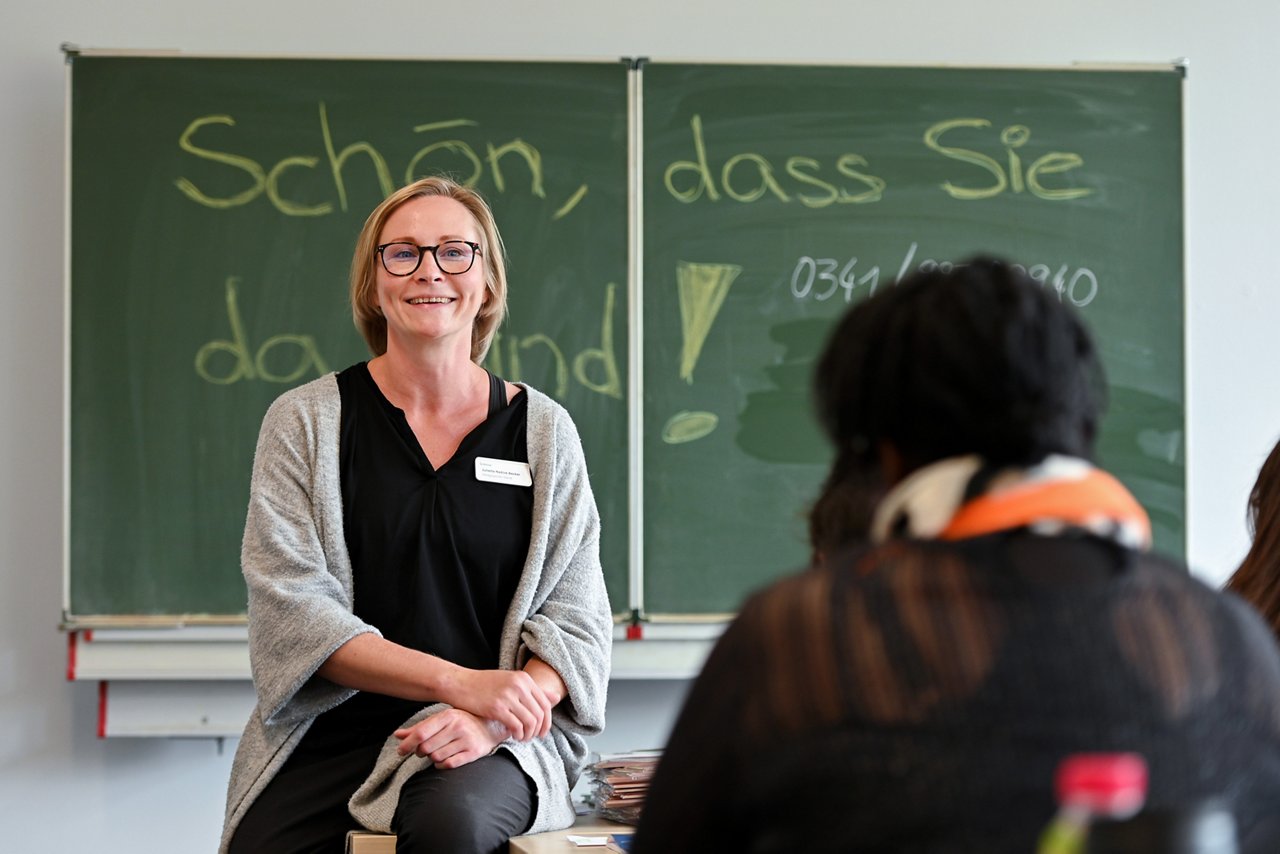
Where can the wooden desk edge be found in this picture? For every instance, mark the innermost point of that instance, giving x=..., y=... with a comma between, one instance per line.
x=557, y=841
x=550, y=842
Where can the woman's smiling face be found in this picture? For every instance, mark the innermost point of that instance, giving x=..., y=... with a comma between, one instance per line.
x=430, y=304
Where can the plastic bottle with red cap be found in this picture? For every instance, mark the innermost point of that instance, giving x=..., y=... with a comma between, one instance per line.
x=1092, y=786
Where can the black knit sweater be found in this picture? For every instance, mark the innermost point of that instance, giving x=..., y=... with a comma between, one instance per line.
x=917, y=697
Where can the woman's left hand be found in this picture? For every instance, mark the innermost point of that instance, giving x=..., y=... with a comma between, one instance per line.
x=452, y=738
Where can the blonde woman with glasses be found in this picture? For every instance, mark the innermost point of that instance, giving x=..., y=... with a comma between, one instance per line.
x=429, y=630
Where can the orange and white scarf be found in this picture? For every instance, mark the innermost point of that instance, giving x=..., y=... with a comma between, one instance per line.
x=1058, y=494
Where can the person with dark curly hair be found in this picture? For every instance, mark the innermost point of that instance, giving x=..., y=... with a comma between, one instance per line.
x=983, y=603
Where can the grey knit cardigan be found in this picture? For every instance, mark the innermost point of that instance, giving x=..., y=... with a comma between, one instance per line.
x=295, y=562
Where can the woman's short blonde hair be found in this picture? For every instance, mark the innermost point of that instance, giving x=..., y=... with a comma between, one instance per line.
x=364, y=265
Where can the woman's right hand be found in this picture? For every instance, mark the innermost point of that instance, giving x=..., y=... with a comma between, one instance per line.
x=452, y=738
x=510, y=697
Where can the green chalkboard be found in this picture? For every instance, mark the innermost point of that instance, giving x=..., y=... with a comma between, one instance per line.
x=214, y=203
x=774, y=196
x=214, y=208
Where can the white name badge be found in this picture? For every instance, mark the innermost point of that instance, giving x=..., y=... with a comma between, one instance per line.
x=503, y=471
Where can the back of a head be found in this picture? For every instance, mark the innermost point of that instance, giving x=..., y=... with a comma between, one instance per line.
x=976, y=359
x=979, y=359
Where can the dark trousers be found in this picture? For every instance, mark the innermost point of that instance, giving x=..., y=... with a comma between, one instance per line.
x=303, y=810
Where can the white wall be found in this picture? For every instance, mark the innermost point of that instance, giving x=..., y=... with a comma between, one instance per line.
x=60, y=784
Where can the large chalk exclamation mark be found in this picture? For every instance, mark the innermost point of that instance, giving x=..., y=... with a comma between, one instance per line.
x=701, y=289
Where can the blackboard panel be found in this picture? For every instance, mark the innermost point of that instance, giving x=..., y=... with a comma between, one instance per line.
x=214, y=207
x=773, y=196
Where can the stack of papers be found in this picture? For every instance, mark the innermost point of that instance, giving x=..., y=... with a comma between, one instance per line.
x=619, y=782
x=613, y=842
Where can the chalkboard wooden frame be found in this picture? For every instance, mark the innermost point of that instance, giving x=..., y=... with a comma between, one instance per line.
x=639, y=591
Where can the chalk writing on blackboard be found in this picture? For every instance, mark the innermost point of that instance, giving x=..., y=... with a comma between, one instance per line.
x=821, y=279
x=702, y=289
x=595, y=368
x=509, y=352
x=1012, y=138
x=685, y=426
x=463, y=160
x=748, y=176
x=254, y=364
x=762, y=171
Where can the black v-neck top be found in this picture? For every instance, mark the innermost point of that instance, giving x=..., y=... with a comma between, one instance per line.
x=436, y=553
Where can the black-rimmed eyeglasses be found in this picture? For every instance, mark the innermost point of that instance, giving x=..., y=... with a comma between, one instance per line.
x=452, y=257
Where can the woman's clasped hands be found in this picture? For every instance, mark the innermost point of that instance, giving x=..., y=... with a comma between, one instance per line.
x=489, y=707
